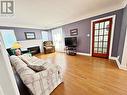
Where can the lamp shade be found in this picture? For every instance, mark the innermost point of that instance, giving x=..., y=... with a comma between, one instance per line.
x=16, y=45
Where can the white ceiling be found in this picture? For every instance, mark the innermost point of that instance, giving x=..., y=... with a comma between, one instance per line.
x=51, y=13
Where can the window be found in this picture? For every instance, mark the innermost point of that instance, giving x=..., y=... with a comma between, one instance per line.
x=8, y=37
x=58, y=39
x=45, y=36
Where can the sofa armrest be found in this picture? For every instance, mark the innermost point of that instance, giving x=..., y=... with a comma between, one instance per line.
x=53, y=69
x=46, y=81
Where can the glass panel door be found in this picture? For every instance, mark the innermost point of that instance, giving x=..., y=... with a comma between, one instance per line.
x=101, y=37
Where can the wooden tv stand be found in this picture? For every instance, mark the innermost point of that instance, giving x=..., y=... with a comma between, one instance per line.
x=71, y=50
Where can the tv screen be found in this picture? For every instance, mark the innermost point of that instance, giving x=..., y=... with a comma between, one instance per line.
x=71, y=41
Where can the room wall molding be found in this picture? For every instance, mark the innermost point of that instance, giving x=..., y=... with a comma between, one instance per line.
x=86, y=54
x=120, y=66
x=113, y=58
x=124, y=3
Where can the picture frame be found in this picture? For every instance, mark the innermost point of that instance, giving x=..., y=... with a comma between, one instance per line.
x=74, y=32
x=30, y=35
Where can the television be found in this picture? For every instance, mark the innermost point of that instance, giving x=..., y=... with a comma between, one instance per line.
x=71, y=41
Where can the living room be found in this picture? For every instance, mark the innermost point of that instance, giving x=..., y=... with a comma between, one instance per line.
x=70, y=50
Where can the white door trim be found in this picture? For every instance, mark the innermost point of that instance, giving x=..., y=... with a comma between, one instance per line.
x=9, y=72
x=124, y=59
x=1, y=91
x=112, y=33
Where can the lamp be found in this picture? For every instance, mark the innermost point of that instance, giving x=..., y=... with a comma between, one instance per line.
x=17, y=47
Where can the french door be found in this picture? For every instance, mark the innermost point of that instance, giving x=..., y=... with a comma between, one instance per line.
x=101, y=38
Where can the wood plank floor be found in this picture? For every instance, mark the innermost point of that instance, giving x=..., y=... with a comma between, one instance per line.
x=88, y=75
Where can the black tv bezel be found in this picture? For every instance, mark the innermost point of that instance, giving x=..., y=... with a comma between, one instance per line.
x=71, y=45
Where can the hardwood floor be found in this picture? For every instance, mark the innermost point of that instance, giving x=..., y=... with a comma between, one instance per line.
x=85, y=75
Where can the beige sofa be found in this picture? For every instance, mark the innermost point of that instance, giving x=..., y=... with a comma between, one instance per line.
x=39, y=83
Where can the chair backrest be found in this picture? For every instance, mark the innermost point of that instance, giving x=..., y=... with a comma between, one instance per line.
x=12, y=51
x=48, y=43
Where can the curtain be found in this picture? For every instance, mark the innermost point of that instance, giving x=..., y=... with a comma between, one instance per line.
x=58, y=39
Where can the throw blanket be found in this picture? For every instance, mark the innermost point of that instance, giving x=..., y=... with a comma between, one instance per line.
x=44, y=82
x=41, y=83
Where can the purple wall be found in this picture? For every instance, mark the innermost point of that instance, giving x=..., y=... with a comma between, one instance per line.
x=122, y=34
x=20, y=35
x=84, y=28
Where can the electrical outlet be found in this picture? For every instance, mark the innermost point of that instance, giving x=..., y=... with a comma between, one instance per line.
x=88, y=35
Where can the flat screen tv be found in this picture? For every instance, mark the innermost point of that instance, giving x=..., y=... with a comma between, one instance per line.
x=71, y=41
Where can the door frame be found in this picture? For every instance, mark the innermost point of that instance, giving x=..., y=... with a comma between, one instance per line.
x=7, y=67
x=124, y=59
x=112, y=34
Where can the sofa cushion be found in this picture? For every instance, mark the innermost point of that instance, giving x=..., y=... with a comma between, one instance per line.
x=25, y=56
x=48, y=47
x=48, y=43
x=32, y=60
x=37, y=68
x=16, y=61
x=24, y=72
x=28, y=59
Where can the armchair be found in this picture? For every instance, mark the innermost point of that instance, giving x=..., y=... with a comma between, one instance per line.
x=48, y=47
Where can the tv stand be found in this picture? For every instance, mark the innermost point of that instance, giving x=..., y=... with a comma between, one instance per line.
x=71, y=50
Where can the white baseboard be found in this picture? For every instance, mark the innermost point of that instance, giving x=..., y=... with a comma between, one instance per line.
x=120, y=66
x=118, y=63
x=112, y=58
x=86, y=54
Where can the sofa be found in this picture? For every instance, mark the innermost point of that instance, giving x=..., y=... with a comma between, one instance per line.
x=39, y=83
x=48, y=47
